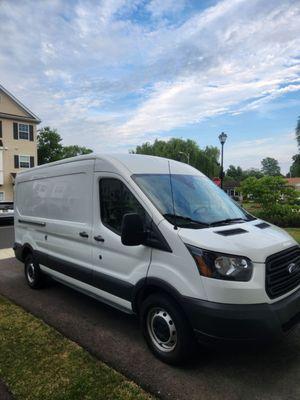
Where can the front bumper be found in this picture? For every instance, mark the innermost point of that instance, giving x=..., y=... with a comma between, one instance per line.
x=242, y=322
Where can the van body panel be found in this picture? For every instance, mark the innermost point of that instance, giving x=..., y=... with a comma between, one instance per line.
x=177, y=268
x=58, y=214
x=255, y=243
x=144, y=164
x=110, y=257
x=108, y=298
x=65, y=194
x=228, y=292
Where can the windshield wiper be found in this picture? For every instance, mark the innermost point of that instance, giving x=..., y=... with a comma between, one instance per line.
x=182, y=218
x=228, y=220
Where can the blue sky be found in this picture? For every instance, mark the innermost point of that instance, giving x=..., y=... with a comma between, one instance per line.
x=112, y=74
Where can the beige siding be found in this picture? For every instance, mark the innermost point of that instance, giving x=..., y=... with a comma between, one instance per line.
x=12, y=147
x=8, y=106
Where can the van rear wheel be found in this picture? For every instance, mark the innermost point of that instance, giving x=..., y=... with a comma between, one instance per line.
x=33, y=274
x=166, y=329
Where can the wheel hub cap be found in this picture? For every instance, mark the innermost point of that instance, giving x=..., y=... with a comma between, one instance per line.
x=31, y=273
x=162, y=329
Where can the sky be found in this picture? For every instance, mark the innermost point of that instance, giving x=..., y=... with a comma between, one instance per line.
x=113, y=74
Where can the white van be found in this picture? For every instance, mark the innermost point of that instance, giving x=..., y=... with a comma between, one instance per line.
x=157, y=238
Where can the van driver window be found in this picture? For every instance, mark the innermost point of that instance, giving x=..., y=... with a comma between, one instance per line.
x=115, y=201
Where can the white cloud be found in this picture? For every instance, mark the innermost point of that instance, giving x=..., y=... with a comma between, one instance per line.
x=249, y=153
x=100, y=72
x=239, y=52
x=160, y=8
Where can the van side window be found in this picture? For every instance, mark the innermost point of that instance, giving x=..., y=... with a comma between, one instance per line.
x=115, y=201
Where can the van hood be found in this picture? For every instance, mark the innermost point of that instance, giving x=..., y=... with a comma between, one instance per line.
x=255, y=243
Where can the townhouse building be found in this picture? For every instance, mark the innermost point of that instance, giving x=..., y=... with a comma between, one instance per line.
x=18, y=141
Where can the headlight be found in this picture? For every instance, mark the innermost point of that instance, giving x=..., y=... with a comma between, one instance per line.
x=221, y=266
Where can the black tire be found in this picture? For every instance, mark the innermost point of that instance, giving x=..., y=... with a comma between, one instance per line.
x=160, y=317
x=33, y=274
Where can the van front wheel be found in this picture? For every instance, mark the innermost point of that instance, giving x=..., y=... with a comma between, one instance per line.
x=166, y=329
x=33, y=275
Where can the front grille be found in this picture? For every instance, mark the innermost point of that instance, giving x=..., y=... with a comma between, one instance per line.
x=279, y=280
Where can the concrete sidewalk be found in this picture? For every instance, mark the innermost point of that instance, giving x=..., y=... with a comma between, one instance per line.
x=6, y=253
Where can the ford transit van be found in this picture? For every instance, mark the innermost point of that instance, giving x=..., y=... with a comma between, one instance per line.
x=157, y=238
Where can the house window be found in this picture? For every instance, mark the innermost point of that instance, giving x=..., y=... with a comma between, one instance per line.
x=24, y=131
x=24, y=161
x=1, y=196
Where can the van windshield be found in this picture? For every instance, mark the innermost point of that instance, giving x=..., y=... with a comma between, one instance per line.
x=198, y=202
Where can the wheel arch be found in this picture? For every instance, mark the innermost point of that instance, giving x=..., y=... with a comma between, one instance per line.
x=147, y=286
x=26, y=249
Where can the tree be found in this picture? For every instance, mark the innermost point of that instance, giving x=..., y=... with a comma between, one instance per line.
x=252, y=172
x=74, y=150
x=298, y=133
x=235, y=173
x=49, y=145
x=268, y=191
x=295, y=167
x=212, y=152
x=270, y=166
x=179, y=149
x=50, y=148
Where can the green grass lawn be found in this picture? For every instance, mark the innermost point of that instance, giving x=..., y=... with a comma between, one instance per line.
x=295, y=232
x=37, y=362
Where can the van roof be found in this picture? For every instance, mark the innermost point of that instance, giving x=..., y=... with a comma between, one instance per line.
x=135, y=163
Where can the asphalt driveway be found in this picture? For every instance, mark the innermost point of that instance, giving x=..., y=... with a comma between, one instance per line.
x=4, y=393
x=231, y=373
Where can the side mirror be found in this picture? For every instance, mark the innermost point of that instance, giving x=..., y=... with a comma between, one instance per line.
x=132, y=231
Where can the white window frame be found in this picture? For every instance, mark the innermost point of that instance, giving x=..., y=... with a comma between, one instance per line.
x=19, y=130
x=3, y=194
x=24, y=155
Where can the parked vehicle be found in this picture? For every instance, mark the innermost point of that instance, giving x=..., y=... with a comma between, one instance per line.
x=6, y=213
x=157, y=238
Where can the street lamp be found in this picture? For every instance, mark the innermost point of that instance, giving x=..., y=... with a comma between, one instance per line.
x=187, y=156
x=222, y=139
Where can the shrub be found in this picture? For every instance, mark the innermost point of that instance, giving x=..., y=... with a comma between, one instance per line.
x=268, y=190
x=276, y=200
x=280, y=214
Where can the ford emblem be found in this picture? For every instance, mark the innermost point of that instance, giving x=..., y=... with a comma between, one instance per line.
x=293, y=268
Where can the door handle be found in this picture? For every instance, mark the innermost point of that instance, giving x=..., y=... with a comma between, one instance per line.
x=99, y=238
x=83, y=234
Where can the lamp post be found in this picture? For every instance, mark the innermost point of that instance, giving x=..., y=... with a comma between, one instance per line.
x=222, y=139
x=187, y=156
